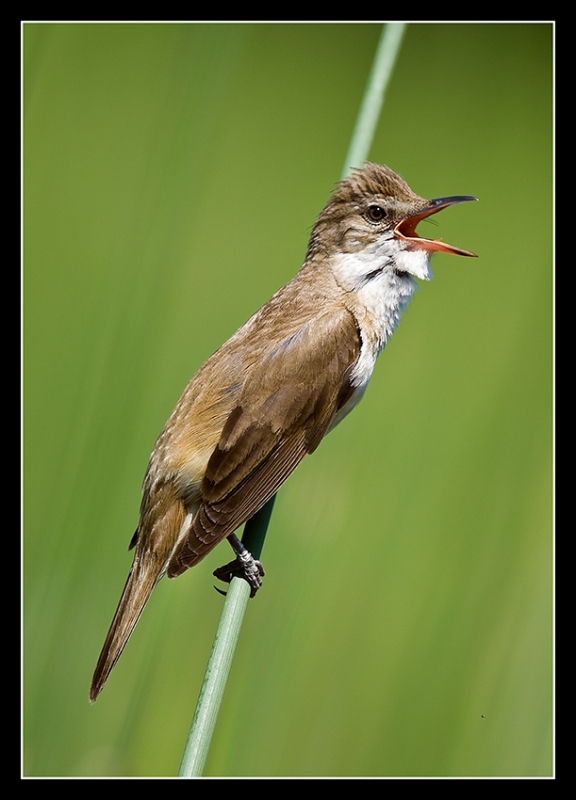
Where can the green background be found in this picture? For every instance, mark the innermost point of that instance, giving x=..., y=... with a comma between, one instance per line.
x=172, y=173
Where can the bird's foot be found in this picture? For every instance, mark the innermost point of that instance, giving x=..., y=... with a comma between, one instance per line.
x=244, y=566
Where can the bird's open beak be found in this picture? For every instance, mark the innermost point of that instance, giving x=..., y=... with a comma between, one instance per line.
x=406, y=229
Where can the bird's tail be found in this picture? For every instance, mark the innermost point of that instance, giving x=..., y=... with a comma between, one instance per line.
x=141, y=581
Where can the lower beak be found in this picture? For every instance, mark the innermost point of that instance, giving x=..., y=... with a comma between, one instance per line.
x=406, y=229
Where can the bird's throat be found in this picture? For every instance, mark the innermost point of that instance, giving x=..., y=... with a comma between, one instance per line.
x=377, y=289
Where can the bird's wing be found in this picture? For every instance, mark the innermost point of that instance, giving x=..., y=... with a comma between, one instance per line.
x=285, y=408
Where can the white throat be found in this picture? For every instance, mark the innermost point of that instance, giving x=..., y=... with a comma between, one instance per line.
x=380, y=280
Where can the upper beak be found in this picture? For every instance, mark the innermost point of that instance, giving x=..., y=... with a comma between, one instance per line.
x=406, y=229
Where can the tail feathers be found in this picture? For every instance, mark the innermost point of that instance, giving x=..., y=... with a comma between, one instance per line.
x=141, y=581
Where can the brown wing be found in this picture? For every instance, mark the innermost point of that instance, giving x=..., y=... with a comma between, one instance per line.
x=285, y=408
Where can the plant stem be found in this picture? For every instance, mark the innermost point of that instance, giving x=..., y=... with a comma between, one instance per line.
x=215, y=679
x=218, y=668
x=369, y=114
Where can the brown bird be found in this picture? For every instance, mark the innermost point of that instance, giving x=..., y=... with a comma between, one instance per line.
x=269, y=395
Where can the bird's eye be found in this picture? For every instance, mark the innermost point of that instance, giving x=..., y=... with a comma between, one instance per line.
x=376, y=213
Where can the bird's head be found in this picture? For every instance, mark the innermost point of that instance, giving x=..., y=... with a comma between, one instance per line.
x=370, y=221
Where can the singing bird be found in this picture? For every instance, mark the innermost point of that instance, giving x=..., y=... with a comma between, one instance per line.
x=269, y=395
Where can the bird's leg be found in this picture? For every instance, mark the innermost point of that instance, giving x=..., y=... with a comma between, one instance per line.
x=244, y=566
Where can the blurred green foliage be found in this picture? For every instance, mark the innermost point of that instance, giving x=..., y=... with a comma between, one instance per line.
x=171, y=175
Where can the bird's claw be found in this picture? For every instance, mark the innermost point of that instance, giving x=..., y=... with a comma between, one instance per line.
x=244, y=566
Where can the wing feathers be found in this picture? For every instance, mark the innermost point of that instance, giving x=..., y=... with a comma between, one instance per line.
x=215, y=521
x=283, y=413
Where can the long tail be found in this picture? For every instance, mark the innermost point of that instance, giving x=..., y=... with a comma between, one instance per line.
x=164, y=520
x=141, y=581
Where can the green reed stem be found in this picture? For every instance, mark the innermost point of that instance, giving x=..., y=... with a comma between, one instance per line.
x=217, y=671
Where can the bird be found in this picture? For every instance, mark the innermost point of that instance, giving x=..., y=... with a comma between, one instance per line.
x=268, y=396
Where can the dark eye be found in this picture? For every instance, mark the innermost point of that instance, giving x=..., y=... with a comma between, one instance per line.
x=376, y=214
